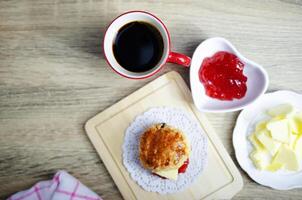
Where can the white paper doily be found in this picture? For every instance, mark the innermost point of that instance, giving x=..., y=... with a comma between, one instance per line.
x=179, y=119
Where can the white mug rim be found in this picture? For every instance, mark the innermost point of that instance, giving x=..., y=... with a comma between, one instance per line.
x=166, y=54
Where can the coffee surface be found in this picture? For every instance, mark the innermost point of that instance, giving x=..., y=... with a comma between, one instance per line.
x=138, y=46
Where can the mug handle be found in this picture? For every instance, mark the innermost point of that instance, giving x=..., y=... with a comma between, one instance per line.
x=179, y=59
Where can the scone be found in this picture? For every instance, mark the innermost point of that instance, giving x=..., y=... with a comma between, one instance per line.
x=164, y=150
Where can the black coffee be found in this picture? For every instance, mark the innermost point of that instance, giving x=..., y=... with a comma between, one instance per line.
x=138, y=46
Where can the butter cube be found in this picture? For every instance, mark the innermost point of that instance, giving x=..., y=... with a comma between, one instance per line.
x=274, y=167
x=293, y=139
x=287, y=157
x=298, y=115
x=170, y=174
x=279, y=130
x=256, y=143
x=295, y=123
x=271, y=145
x=298, y=146
x=278, y=118
x=283, y=109
x=261, y=125
x=261, y=159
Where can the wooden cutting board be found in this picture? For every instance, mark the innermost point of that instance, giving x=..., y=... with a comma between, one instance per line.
x=220, y=179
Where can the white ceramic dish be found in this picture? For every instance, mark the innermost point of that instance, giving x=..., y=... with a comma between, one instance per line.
x=257, y=82
x=245, y=125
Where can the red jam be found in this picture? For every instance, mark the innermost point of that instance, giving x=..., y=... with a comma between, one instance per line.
x=183, y=168
x=222, y=76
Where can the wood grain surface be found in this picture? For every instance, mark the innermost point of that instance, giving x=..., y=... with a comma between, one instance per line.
x=53, y=77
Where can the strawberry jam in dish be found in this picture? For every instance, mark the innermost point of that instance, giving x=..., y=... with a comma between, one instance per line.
x=222, y=76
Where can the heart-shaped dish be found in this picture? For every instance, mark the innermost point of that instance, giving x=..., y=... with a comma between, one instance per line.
x=257, y=81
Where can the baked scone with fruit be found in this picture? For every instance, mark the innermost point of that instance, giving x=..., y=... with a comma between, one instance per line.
x=164, y=150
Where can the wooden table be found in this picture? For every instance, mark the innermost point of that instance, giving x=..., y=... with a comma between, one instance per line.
x=53, y=77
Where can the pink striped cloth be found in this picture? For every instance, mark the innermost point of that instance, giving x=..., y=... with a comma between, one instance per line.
x=63, y=186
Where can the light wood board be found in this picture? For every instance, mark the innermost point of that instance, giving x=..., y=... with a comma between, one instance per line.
x=220, y=179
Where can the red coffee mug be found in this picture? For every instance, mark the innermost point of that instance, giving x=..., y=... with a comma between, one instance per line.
x=167, y=56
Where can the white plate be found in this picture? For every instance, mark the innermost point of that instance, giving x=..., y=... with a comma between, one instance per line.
x=257, y=81
x=245, y=125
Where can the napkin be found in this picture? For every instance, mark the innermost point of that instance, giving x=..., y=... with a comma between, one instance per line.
x=63, y=186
